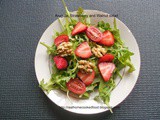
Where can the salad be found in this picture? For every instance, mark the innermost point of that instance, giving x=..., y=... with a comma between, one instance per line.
x=86, y=57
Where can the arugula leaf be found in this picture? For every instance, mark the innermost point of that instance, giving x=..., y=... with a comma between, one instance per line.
x=131, y=66
x=83, y=17
x=50, y=49
x=104, y=26
x=114, y=23
x=47, y=86
x=115, y=32
x=73, y=21
x=91, y=87
x=85, y=95
x=94, y=61
x=61, y=24
x=68, y=30
x=117, y=37
x=56, y=34
x=80, y=11
x=105, y=89
x=80, y=38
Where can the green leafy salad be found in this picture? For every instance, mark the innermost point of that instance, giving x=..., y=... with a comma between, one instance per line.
x=86, y=57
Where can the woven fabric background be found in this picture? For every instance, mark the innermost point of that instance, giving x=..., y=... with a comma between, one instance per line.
x=22, y=23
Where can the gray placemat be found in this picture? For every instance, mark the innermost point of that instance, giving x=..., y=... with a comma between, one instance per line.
x=22, y=23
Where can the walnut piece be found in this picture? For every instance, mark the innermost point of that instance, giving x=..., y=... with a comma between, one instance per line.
x=65, y=49
x=85, y=66
x=98, y=51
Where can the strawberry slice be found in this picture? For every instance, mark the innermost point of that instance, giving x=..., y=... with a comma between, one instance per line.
x=60, y=39
x=76, y=86
x=94, y=34
x=61, y=63
x=106, y=70
x=83, y=50
x=80, y=27
x=107, y=39
x=106, y=58
x=86, y=78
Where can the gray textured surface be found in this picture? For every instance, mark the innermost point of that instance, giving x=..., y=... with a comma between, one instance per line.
x=22, y=23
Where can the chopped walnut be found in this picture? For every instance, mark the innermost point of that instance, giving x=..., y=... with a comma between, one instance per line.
x=98, y=51
x=85, y=66
x=65, y=49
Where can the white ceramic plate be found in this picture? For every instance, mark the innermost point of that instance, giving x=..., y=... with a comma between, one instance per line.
x=89, y=106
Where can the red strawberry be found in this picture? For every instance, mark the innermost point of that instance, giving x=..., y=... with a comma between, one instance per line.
x=106, y=58
x=76, y=86
x=80, y=27
x=107, y=39
x=106, y=70
x=94, y=34
x=86, y=78
x=60, y=39
x=61, y=63
x=83, y=50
